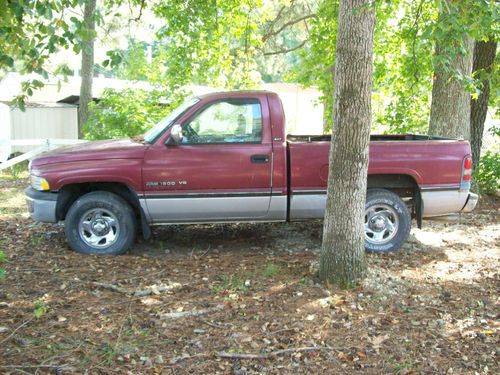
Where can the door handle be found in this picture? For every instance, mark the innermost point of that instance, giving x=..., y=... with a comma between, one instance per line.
x=259, y=159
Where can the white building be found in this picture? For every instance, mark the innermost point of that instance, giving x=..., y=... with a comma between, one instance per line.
x=39, y=121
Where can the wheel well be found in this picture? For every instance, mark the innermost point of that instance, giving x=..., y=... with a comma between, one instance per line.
x=70, y=193
x=403, y=185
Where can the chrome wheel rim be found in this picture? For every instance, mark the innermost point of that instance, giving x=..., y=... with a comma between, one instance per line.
x=381, y=224
x=99, y=228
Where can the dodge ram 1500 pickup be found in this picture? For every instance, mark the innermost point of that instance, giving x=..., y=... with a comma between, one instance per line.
x=225, y=157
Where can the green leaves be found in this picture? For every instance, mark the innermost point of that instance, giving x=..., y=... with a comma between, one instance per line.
x=404, y=61
x=209, y=42
x=6, y=60
x=487, y=173
x=31, y=31
x=316, y=63
x=114, y=60
x=477, y=19
x=40, y=309
x=62, y=70
x=129, y=112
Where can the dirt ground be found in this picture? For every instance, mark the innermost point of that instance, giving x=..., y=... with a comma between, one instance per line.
x=242, y=299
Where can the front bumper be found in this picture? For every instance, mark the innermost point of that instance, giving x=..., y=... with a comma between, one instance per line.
x=471, y=202
x=41, y=205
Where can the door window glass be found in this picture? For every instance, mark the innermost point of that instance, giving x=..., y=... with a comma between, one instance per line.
x=230, y=121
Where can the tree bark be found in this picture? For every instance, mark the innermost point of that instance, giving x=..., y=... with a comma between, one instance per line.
x=87, y=70
x=342, y=260
x=484, y=57
x=450, y=106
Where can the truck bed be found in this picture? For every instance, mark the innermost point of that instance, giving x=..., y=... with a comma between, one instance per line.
x=434, y=164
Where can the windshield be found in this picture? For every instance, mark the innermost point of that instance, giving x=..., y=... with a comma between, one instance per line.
x=160, y=127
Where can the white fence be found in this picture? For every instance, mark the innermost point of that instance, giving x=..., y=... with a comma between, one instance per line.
x=39, y=146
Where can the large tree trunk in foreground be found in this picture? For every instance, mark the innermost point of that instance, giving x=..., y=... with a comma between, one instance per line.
x=87, y=70
x=450, y=106
x=484, y=57
x=343, y=254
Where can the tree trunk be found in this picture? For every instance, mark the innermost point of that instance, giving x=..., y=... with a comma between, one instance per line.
x=484, y=57
x=87, y=70
x=450, y=106
x=342, y=259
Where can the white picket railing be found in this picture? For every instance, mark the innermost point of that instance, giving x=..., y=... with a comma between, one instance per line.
x=41, y=145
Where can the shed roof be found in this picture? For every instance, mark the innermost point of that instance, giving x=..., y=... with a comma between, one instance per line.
x=40, y=104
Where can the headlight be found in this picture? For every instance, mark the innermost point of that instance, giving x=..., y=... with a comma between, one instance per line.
x=39, y=183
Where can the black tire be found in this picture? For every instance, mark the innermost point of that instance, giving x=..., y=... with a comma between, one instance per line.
x=387, y=221
x=100, y=223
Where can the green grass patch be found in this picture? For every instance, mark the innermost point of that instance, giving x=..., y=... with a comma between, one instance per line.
x=231, y=283
x=37, y=239
x=270, y=270
x=241, y=282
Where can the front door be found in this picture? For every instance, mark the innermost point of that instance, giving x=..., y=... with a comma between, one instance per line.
x=221, y=170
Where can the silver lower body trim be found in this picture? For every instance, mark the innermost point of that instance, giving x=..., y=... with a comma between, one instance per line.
x=214, y=209
x=277, y=208
x=471, y=202
x=436, y=203
x=265, y=208
x=307, y=206
x=443, y=202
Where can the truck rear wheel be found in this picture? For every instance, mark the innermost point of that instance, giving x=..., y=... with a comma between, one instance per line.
x=100, y=223
x=387, y=221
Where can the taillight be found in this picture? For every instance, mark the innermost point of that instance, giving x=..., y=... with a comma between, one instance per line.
x=466, y=173
x=468, y=163
x=467, y=169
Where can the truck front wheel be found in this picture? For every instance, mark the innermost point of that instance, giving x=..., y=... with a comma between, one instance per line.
x=387, y=221
x=100, y=223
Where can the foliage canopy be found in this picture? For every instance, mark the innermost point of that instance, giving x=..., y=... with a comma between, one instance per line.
x=237, y=44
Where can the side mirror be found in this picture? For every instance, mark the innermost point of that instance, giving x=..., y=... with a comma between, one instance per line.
x=176, y=134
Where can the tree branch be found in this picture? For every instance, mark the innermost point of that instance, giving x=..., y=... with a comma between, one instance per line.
x=17, y=329
x=415, y=27
x=278, y=16
x=153, y=289
x=287, y=24
x=56, y=367
x=138, y=18
x=190, y=314
x=271, y=354
x=286, y=50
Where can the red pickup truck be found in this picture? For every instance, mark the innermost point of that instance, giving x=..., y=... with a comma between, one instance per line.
x=225, y=157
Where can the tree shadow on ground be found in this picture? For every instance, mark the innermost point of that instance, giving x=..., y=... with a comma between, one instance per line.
x=179, y=241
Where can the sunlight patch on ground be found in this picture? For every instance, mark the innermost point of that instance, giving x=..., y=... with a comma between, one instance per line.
x=326, y=302
x=428, y=238
x=12, y=201
x=447, y=271
x=468, y=256
x=491, y=233
x=465, y=270
x=277, y=288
